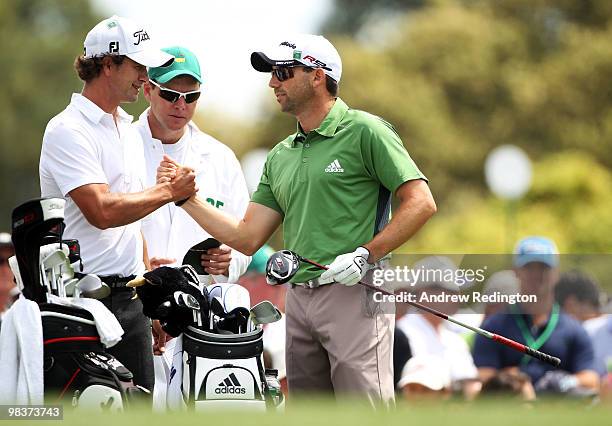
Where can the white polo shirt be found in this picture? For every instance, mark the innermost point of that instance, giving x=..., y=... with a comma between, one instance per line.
x=443, y=344
x=82, y=145
x=170, y=231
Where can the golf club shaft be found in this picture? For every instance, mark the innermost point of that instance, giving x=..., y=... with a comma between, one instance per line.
x=554, y=361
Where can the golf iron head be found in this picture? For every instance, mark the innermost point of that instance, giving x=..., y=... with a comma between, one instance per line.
x=265, y=313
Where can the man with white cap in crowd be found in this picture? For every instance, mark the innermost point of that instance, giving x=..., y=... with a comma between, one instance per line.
x=166, y=129
x=429, y=336
x=93, y=158
x=541, y=326
x=330, y=184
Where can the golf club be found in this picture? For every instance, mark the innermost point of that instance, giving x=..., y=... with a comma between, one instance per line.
x=264, y=313
x=284, y=264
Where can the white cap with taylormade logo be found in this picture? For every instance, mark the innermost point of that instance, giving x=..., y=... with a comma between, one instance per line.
x=122, y=36
x=305, y=49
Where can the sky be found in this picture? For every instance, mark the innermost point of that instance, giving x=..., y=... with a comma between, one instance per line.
x=222, y=34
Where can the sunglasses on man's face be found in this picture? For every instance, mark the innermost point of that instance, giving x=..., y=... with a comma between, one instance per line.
x=286, y=72
x=172, y=95
x=283, y=73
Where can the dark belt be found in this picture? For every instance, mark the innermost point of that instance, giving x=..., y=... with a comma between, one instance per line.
x=116, y=282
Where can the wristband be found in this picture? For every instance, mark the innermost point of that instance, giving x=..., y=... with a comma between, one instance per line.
x=181, y=202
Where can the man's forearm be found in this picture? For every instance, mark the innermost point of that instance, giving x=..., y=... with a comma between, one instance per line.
x=118, y=209
x=414, y=210
x=221, y=226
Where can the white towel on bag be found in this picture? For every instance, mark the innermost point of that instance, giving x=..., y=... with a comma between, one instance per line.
x=108, y=327
x=21, y=355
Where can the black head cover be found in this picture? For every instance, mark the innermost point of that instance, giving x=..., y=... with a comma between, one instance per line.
x=33, y=223
x=281, y=267
x=159, y=302
x=193, y=255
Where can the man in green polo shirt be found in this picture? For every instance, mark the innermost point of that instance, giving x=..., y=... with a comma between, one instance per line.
x=330, y=185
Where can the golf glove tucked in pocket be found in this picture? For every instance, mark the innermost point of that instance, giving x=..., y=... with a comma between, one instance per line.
x=349, y=268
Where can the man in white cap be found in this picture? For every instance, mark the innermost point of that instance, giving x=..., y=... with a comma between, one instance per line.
x=330, y=184
x=93, y=158
x=430, y=336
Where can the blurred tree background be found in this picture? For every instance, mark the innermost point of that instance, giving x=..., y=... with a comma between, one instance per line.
x=455, y=77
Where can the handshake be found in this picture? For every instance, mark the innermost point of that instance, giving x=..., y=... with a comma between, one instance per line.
x=181, y=180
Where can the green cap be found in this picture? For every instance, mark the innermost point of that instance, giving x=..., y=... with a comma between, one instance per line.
x=185, y=63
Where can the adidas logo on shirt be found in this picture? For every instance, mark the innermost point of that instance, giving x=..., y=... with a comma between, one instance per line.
x=334, y=167
x=230, y=385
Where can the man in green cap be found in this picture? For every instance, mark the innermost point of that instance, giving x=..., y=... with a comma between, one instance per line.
x=167, y=130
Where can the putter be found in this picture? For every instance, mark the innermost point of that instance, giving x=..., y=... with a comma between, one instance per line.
x=264, y=313
x=281, y=268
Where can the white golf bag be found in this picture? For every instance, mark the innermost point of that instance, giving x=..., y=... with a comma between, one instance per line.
x=217, y=357
x=76, y=328
x=222, y=365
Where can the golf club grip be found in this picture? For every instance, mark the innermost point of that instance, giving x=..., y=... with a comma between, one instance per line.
x=549, y=359
x=552, y=360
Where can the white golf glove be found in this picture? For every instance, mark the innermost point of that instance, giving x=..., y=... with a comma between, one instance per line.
x=348, y=268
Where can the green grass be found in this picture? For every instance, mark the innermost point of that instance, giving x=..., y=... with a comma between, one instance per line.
x=452, y=413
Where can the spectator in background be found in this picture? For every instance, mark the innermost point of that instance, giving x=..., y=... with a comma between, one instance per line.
x=429, y=336
x=602, y=342
x=580, y=296
x=425, y=377
x=401, y=355
x=541, y=326
x=8, y=289
x=501, y=282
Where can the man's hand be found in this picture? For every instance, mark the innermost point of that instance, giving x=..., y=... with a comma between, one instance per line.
x=156, y=262
x=349, y=268
x=183, y=185
x=167, y=170
x=216, y=261
x=160, y=338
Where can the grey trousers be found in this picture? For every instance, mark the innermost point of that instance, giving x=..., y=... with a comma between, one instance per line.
x=135, y=350
x=339, y=341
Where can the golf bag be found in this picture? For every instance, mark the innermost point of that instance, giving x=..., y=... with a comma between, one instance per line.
x=217, y=360
x=77, y=369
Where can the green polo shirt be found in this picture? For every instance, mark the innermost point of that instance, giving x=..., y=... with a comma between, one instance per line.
x=333, y=186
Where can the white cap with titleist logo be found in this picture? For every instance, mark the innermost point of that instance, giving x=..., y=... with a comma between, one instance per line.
x=122, y=36
x=304, y=49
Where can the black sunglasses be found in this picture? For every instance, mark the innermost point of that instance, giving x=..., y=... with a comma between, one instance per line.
x=286, y=72
x=172, y=95
x=283, y=73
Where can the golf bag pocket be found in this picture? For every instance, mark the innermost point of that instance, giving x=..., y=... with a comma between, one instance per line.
x=223, y=369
